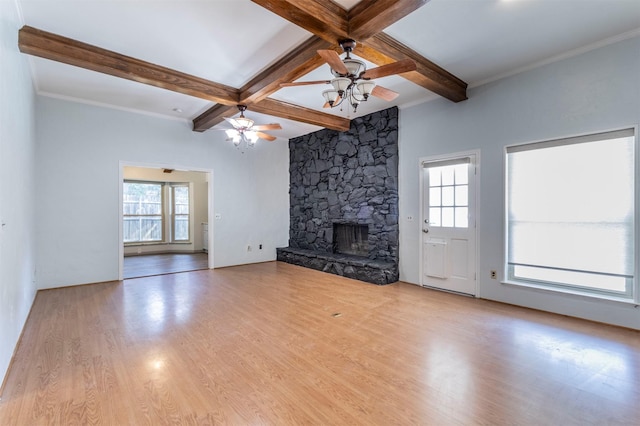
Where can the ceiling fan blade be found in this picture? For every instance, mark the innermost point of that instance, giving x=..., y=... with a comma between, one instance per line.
x=399, y=67
x=304, y=83
x=273, y=126
x=333, y=59
x=384, y=93
x=265, y=136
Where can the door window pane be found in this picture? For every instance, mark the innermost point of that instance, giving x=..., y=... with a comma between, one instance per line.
x=434, y=196
x=434, y=216
x=462, y=174
x=447, y=196
x=462, y=217
x=462, y=195
x=449, y=187
x=447, y=216
x=447, y=175
x=435, y=177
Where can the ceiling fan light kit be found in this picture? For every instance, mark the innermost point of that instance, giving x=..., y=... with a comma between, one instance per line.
x=241, y=122
x=248, y=137
x=244, y=133
x=354, y=66
x=346, y=73
x=352, y=82
x=330, y=96
x=341, y=84
x=365, y=88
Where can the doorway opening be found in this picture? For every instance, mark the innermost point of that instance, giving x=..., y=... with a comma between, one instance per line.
x=164, y=216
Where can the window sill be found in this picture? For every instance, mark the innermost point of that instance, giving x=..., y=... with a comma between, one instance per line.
x=576, y=293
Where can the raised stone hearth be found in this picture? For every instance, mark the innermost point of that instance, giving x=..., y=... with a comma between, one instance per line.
x=346, y=178
x=356, y=267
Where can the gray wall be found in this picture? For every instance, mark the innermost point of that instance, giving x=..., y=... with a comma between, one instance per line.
x=79, y=155
x=595, y=91
x=17, y=186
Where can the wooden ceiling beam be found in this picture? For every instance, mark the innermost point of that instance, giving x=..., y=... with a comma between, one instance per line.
x=382, y=49
x=326, y=19
x=62, y=49
x=289, y=68
x=370, y=17
x=213, y=116
x=304, y=115
x=364, y=23
x=269, y=106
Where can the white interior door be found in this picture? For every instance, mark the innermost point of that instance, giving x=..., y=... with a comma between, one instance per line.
x=448, y=224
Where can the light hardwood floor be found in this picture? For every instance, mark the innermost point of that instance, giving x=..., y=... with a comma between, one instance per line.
x=274, y=343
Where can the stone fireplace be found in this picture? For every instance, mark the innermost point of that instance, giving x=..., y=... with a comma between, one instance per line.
x=344, y=200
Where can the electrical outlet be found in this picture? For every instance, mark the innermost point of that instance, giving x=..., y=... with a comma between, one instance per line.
x=494, y=275
x=248, y=248
x=260, y=246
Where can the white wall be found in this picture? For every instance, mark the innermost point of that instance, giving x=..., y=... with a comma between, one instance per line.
x=17, y=144
x=79, y=151
x=595, y=91
x=199, y=205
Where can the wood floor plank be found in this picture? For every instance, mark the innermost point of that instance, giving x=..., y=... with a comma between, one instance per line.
x=275, y=343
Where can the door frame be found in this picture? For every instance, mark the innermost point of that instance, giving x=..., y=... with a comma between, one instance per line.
x=443, y=157
x=209, y=178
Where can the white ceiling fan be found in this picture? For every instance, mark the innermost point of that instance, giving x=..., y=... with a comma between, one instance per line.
x=246, y=132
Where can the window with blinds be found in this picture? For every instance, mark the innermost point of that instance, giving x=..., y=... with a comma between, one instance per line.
x=570, y=213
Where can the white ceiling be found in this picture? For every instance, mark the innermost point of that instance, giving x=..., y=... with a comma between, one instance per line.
x=229, y=41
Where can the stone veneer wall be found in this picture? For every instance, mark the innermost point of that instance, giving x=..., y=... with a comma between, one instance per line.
x=347, y=177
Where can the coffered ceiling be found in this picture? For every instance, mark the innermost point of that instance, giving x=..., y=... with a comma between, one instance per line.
x=193, y=60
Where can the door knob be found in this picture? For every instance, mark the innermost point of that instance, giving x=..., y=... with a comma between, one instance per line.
x=426, y=231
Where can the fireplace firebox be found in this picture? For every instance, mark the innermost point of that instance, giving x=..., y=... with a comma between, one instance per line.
x=351, y=238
